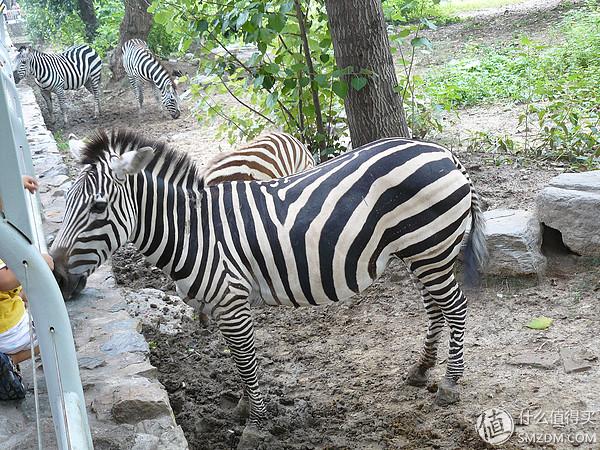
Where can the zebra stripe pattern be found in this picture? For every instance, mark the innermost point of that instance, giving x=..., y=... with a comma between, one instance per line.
x=273, y=155
x=76, y=67
x=142, y=66
x=320, y=236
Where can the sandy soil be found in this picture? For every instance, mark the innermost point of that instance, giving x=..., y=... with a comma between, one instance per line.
x=333, y=376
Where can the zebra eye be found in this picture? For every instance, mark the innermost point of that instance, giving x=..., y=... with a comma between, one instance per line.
x=99, y=206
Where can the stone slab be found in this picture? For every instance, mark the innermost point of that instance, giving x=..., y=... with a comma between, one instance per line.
x=571, y=204
x=513, y=239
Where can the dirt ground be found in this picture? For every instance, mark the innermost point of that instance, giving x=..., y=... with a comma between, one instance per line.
x=333, y=376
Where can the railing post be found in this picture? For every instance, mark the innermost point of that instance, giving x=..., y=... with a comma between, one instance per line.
x=21, y=240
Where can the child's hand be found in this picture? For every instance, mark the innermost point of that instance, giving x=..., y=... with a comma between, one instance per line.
x=30, y=183
x=48, y=260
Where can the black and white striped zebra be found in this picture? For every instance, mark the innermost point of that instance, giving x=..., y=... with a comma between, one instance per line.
x=76, y=67
x=142, y=66
x=272, y=155
x=317, y=237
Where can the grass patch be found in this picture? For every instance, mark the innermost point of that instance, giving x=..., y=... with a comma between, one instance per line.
x=454, y=7
x=557, y=86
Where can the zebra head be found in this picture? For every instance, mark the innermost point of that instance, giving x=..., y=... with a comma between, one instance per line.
x=21, y=64
x=100, y=213
x=170, y=100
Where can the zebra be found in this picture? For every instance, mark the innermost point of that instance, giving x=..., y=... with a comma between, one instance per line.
x=75, y=67
x=272, y=155
x=316, y=237
x=141, y=65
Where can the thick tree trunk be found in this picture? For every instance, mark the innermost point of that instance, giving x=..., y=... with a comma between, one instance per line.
x=88, y=16
x=360, y=40
x=136, y=24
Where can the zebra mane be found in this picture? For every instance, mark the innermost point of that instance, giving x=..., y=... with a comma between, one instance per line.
x=121, y=140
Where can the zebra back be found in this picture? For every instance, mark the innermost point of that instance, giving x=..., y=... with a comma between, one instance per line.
x=272, y=155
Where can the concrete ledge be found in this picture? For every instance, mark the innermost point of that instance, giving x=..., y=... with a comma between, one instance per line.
x=127, y=407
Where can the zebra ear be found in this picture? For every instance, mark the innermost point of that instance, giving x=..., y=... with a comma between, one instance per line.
x=132, y=162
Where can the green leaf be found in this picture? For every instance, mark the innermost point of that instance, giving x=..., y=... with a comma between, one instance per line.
x=358, y=83
x=161, y=17
x=324, y=57
x=540, y=323
x=421, y=42
x=404, y=32
x=277, y=22
x=272, y=100
x=321, y=80
x=272, y=68
x=286, y=7
x=242, y=18
x=325, y=43
x=340, y=88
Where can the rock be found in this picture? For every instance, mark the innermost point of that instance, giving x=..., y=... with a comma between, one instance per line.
x=538, y=360
x=89, y=362
x=139, y=401
x=128, y=341
x=513, y=239
x=574, y=361
x=570, y=204
x=145, y=442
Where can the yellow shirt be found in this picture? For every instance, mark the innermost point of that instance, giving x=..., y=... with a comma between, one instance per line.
x=12, y=308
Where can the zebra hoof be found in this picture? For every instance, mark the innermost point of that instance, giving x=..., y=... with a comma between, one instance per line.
x=447, y=393
x=417, y=376
x=252, y=438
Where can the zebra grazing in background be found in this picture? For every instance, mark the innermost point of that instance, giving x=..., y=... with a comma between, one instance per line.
x=72, y=69
x=141, y=65
x=273, y=155
x=319, y=236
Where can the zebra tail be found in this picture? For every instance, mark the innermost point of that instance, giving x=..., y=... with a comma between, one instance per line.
x=475, y=252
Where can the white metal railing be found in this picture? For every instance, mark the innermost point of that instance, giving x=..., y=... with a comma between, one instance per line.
x=21, y=241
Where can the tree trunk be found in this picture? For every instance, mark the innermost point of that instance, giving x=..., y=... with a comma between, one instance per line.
x=360, y=41
x=136, y=24
x=88, y=16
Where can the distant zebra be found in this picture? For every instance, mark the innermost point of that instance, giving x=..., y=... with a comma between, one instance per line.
x=272, y=155
x=320, y=236
x=72, y=69
x=141, y=65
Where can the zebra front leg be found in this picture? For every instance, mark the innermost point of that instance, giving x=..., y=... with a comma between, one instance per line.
x=47, y=95
x=62, y=102
x=418, y=374
x=237, y=328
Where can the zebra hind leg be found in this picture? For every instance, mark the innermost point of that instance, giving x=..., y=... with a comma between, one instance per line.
x=93, y=88
x=418, y=374
x=446, y=293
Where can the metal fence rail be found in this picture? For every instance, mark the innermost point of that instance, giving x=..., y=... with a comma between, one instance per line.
x=21, y=240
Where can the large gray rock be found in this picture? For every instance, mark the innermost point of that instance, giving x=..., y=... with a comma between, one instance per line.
x=571, y=205
x=513, y=239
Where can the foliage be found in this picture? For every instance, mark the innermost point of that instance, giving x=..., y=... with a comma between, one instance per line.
x=410, y=11
x=254, y=52
x=557, y=86
x=57, y=22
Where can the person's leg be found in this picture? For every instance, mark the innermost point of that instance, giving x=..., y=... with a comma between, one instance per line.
x=11, y=386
